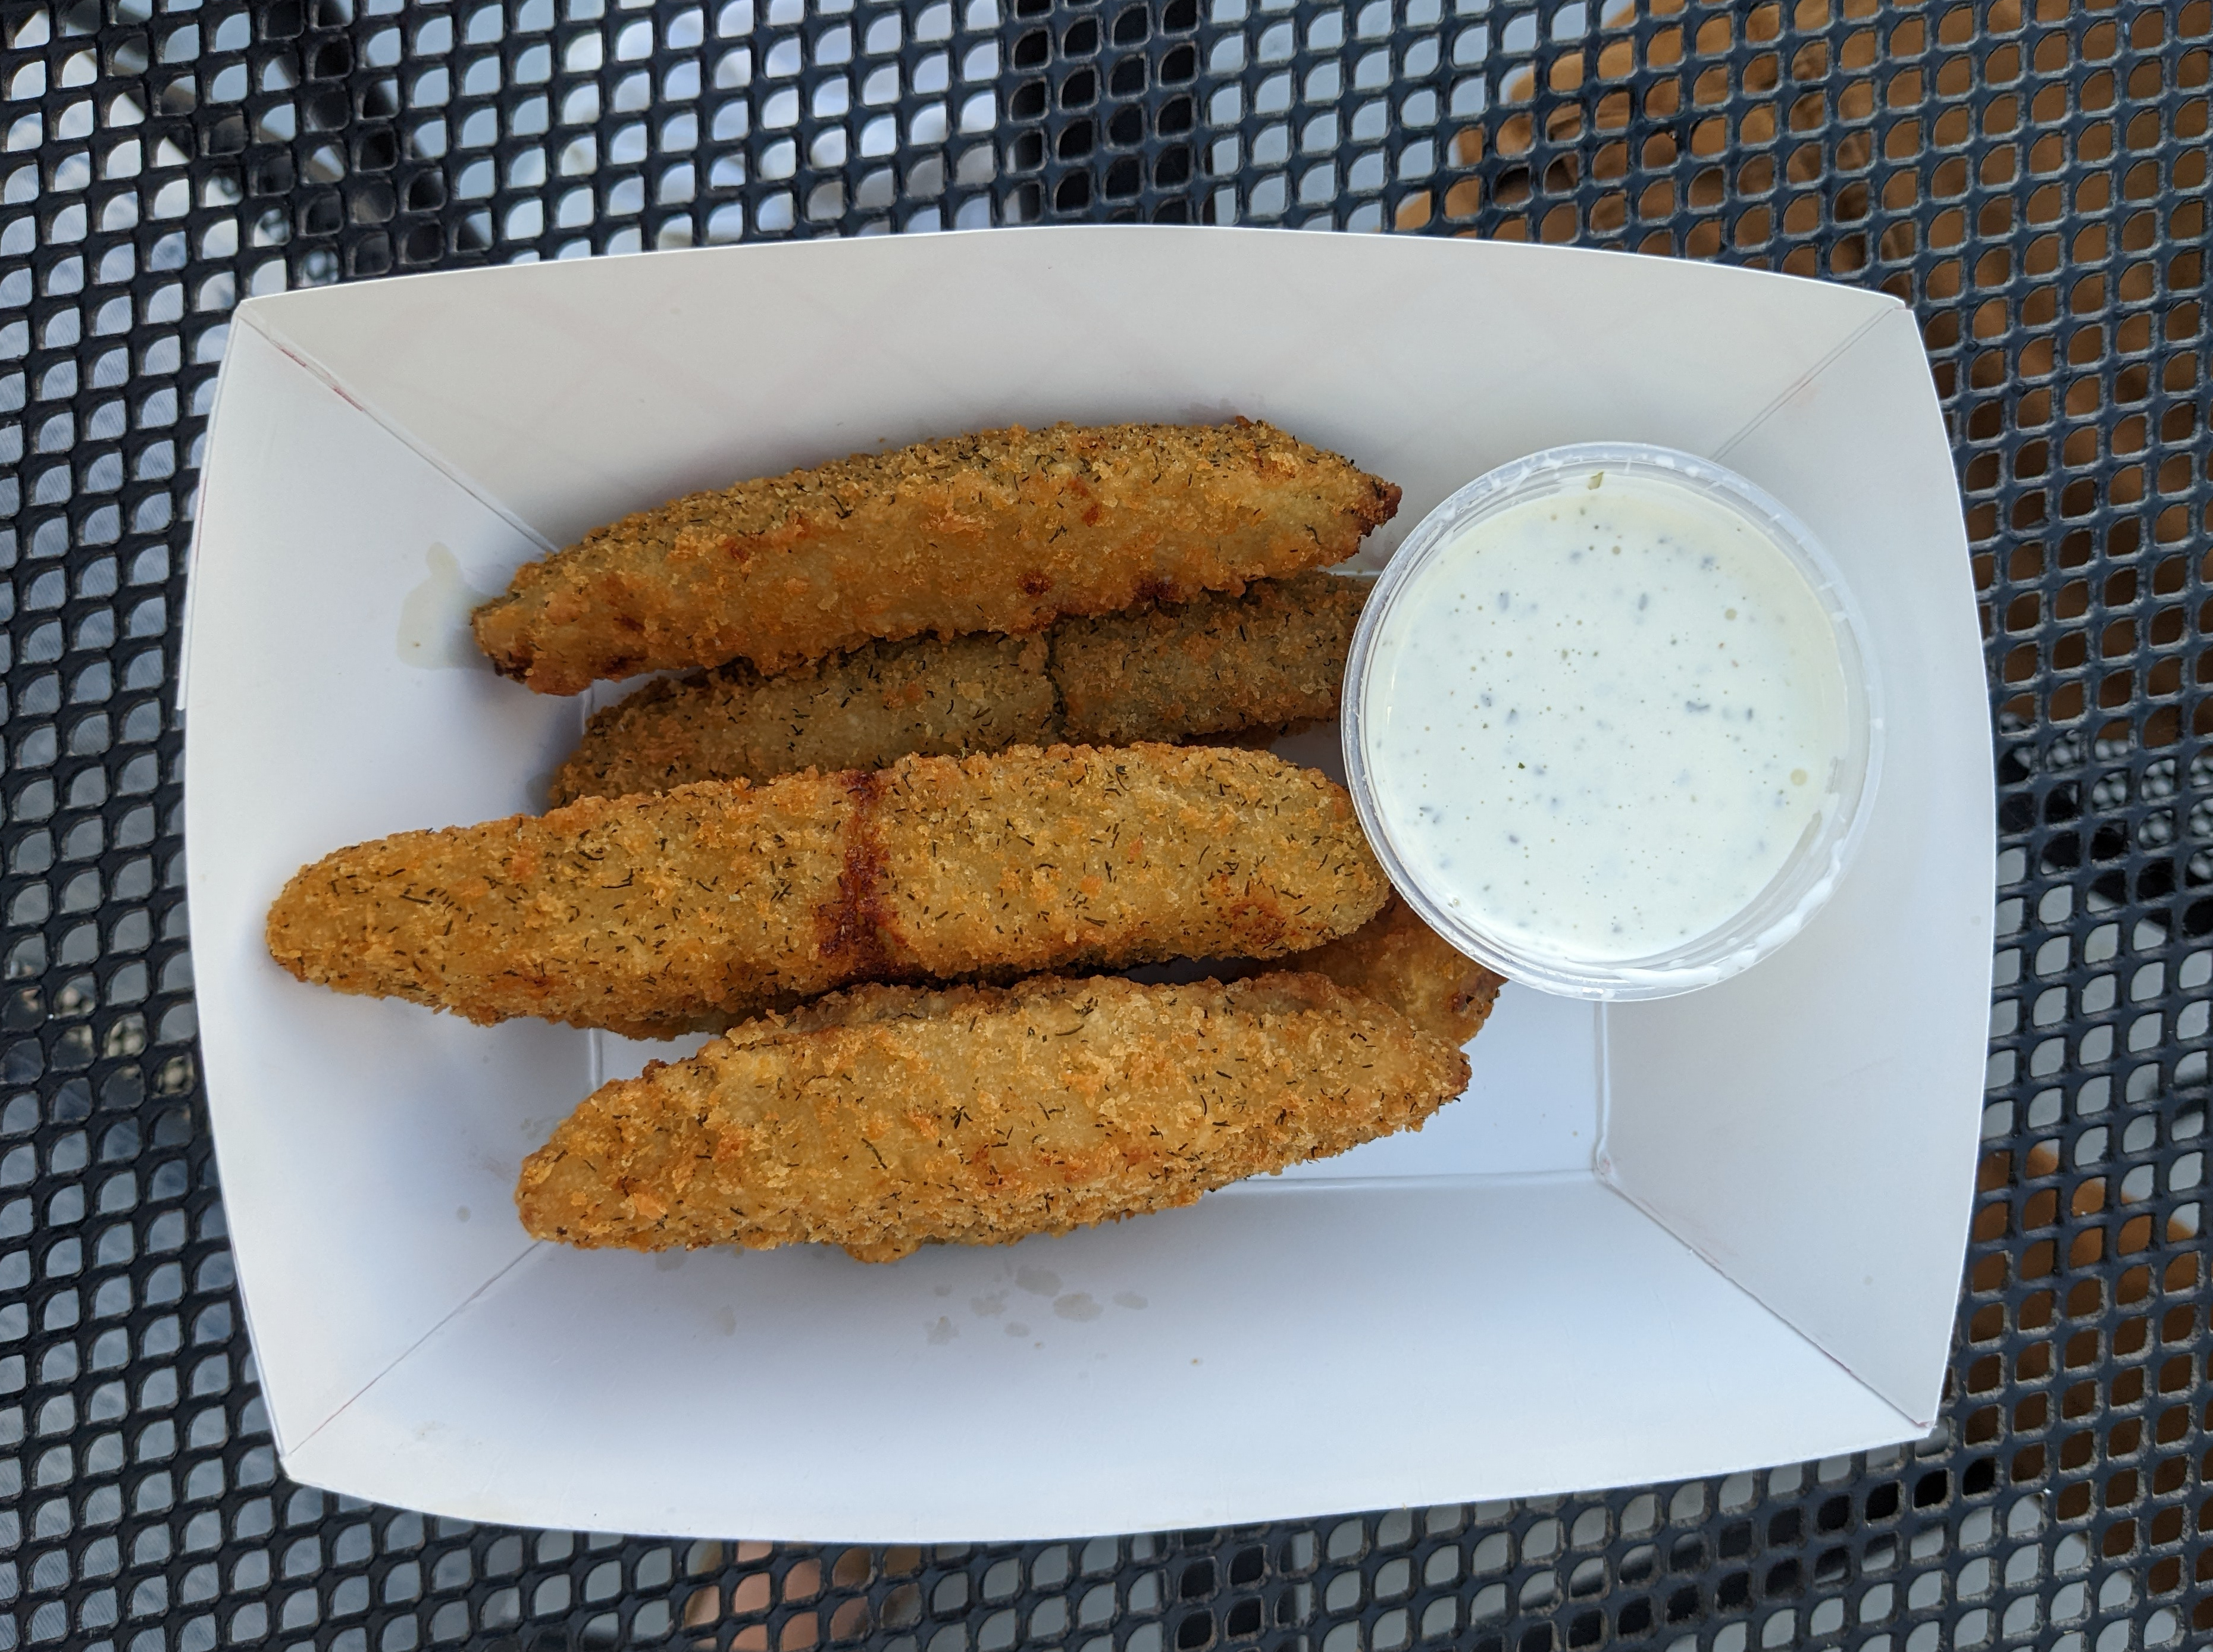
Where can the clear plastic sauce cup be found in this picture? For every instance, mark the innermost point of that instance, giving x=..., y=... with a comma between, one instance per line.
x=1610, y=723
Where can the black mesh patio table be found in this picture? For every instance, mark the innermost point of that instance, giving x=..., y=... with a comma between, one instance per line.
x=2029, y=175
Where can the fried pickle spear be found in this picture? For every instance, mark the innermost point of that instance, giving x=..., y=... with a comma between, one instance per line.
x=882, y=702
x=1263, y=661
x=890, y=1117
x=655, y=914
x=1004, y=531
x=1401, y=963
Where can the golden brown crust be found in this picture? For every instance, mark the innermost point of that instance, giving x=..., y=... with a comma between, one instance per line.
x=655, y=913
x=889, y=1118
x=1079, y=857
x=638, y=915
x=1399, y=961
x=1225, y=668
x=1003, y=531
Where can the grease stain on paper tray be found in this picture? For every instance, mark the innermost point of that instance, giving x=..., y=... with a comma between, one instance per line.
x=434, y=632
x=1077, y=1305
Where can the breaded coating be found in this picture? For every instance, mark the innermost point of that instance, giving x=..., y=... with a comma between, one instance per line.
x=1004, y=530
x=1400, y=962
x=653, y=914
x=1267, y=660
x=938, y=697
x=889, y=1117
x=1257, y=664
x=946, y=697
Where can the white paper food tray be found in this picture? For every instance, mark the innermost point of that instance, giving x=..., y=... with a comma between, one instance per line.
x=1667, y=1239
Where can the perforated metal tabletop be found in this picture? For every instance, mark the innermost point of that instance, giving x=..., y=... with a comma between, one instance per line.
x=2029, y=174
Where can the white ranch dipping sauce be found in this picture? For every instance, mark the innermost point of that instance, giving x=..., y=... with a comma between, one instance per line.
x=1598, y=723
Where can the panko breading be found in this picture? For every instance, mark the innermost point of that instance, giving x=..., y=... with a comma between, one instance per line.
x=1400, y=962
x=1004, y=530
x=890, y=1117
x=1259, y=663
x=1266, y=661
x=652, y=915
x=947, y=697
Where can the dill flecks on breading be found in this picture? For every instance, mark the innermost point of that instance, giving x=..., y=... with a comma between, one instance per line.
x=1399, y=961
x=656, y=914
x=1254, y=665
x=1003, y=531
x=889, y=1117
